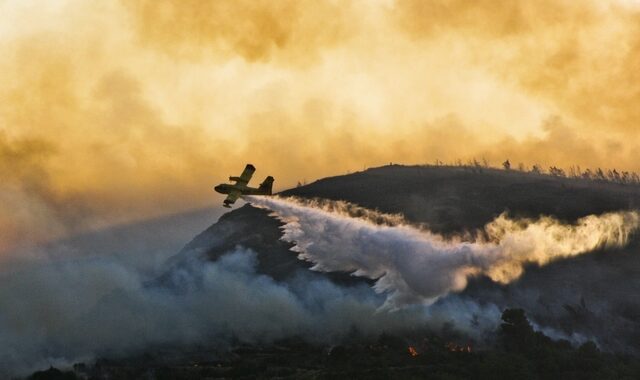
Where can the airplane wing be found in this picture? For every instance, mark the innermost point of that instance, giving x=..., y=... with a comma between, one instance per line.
x=231, y=199
x=245, y=177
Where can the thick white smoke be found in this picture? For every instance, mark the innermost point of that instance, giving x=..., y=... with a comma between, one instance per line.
x=413, y=265
x=69, y=310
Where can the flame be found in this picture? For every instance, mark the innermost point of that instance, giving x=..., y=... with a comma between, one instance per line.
x=454, y=347
x=412, y=351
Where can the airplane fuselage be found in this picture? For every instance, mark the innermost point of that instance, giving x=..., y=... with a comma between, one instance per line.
x=226, y=188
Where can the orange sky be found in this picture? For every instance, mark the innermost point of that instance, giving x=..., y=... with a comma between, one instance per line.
x=119, y=110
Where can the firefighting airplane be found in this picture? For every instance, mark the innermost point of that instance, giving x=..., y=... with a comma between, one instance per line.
x=240, y=187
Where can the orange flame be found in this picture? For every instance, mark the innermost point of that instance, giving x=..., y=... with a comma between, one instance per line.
x=412, y=351
x=453, y=347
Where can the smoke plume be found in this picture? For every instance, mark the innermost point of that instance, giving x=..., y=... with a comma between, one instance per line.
x=76, y=309
x=413, y=265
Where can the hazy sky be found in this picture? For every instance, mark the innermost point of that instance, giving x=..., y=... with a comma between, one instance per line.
x=119, y=110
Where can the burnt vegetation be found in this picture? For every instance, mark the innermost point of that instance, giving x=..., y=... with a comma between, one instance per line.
x=519, y=352
x=573, y=171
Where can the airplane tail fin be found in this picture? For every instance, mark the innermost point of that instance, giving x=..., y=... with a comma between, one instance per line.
x=266, y=185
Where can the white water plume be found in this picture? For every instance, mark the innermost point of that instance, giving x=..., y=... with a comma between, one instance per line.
x=413, y=265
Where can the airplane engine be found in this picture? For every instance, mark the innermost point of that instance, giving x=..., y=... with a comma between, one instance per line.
x=235, y=179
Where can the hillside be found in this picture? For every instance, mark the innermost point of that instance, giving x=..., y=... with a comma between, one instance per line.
x=250, y=273
x=453, y=199
x=594, y=294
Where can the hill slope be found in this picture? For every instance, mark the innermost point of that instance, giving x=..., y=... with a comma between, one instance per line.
x=452, y=199
x=593, y=296
x=254, y=309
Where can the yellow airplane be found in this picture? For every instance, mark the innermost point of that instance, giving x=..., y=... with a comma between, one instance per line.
x=240, y=186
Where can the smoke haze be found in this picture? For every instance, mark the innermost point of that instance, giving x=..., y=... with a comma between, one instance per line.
x=114, y=111
x=65, y=311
